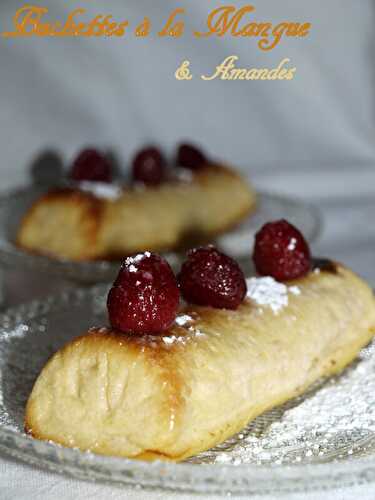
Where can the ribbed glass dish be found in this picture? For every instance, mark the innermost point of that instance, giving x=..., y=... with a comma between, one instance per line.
x=238, y=242
x=321, y=440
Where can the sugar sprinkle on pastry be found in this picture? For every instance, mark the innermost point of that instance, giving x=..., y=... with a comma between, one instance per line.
x=101, y=189
x=269, y=292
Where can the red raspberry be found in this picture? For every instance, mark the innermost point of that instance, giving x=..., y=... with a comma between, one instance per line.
x=90, y=165
x=189, y=156
x=281, y=251
x=210, y=278
x=149, y=166
x=144, y=299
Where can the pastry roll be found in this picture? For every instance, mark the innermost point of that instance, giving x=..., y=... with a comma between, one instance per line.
x=78, y=225
x=172, y=396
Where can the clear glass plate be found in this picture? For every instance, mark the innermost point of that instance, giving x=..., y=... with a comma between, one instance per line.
x=237, y=242
x=321, y=440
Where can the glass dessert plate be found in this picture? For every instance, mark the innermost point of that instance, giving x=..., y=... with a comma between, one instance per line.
x=237, y=242
x=323, y=439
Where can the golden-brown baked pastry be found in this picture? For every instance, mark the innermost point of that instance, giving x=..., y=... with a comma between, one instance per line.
x=172, y=396
x=77, y=225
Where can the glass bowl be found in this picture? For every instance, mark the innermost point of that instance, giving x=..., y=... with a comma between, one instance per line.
x=237, y=242
x=321, y=440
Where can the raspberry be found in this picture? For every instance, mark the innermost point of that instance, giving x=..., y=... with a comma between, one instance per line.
x=189, y=156
x=90, y=165
x=144, y=299
x=281, y=251
x=210, y=278
x=149, y=166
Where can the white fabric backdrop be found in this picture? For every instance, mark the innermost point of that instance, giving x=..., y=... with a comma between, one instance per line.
x=65, y=93
x=313, y=137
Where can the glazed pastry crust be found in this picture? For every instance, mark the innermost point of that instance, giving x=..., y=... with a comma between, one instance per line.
x=144, y=398
x=76, y=225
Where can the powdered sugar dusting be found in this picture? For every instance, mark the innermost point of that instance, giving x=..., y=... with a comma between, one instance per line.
x=270, y=293
x=101, y=189
x=173, y=338
x=131, y=261
x=183, y=339
x=183, y=174
x=183, y=319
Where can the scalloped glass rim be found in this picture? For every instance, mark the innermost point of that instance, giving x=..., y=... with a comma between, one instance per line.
x=237, y=242
x=218, y=478
x=203, y=478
